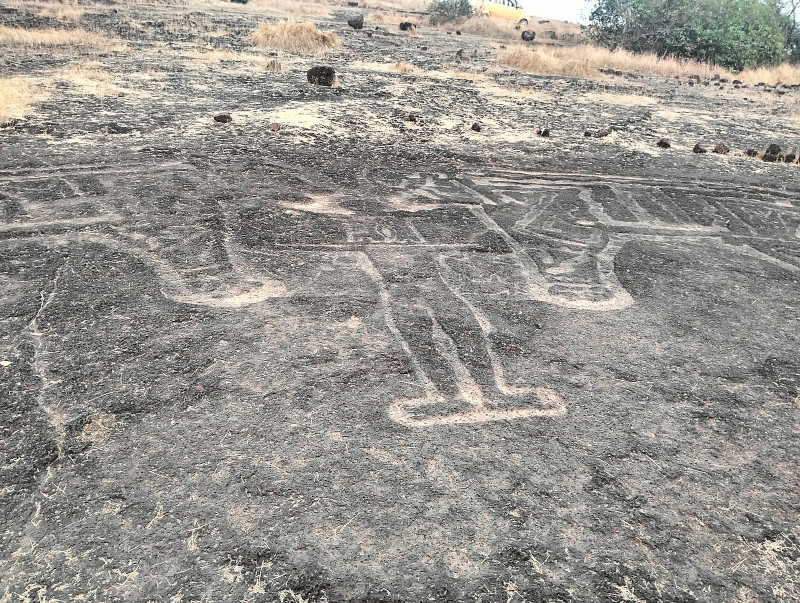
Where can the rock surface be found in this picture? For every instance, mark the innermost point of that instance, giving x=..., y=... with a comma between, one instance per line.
x=365, y=359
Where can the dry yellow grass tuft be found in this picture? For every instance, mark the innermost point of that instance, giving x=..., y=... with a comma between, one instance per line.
x=295, y=8
x=29, y=38
x=397, y=5
x=90, y=78
x=785, y=74
x=17, y=95
x=405, y=68
x=586, y=61
x=489, y=28
x=292, y=36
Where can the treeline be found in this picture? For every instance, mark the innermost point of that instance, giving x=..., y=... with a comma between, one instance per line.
x=734, y=34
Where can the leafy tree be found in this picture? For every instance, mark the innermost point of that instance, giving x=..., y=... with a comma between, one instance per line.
x=732, y=33
x=450, y=11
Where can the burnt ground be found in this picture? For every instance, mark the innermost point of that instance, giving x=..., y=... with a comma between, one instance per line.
x=377, y=356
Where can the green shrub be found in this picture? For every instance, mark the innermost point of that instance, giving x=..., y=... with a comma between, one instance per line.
x=450, y=11
x=732, y=33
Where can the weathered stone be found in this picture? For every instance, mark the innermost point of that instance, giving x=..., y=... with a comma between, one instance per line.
x=476, y=127
x=751, y=153
x=721, y=148
x=664, y=143
x=321, y=75
x=698, y=148
x=356, y=22
x=528, y=35
x=543, y=132
x=407, y=26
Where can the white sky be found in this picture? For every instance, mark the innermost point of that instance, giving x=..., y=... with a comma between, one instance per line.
x=576, y=11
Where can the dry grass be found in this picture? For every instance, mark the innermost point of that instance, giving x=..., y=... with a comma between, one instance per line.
x=17, y=95
x=405, y=68
x=586, y=61
x=62, y=10
x=91, y=78
x=785, y=74
x=292, y=36
x=489, y=28
x=396, y=5
x=294, y=8
x=31, y=38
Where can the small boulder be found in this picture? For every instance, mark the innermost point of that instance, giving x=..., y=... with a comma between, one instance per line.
x=769, y=157
x=545, y=132
x=275, y=127
x=587, y=133
x=115, y=128
x=476, y=127
x=528, y=35
x=240, y=1
x=356, y=22
x=698, y=148
x=550, y=35
x=773, y=149
x=407, y=26
x=721, y=148
x=223, y=117
x=790, y=157
x=352, y=3
x=664, y=143
x=458, y=32
x=751, y=153
x=321, y=75
x=602, y=133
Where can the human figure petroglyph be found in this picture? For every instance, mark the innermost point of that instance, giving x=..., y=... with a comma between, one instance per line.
x=437, y=250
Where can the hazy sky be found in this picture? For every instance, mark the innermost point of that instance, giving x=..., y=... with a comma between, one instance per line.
x=565, y=10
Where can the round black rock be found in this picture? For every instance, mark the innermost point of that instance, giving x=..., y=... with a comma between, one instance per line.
x=321, y=75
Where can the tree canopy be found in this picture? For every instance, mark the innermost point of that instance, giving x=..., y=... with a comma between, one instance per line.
x=731, y=33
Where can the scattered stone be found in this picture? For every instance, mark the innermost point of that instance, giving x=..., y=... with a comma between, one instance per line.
x=460, y=55
x=528, y=36
x=545, y=132
x=751, y=153
x=737, y=82
x=696, y=78
x=790, y=157
x=543, y=21
x=698, y=148
x=550, y=35
x=223, y=117
x=761, y=84
x=721, y=148
x=716, y=77
x=587, y=133
x=352, y=4
x=413, y=117
x=240, y=1
x=115, y=128
x=690, y=82
x=408, y=26
x=321, y=76
x=275, y=127
x=602, y=133
x=769, y=157
x=356, y=22
x=773, y=149
x=664, y=144
x=723, y=80
x=476, y=127
x=423, y=48
x=458, y=32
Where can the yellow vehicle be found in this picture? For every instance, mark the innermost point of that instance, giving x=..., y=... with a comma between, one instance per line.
x=511, y=10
